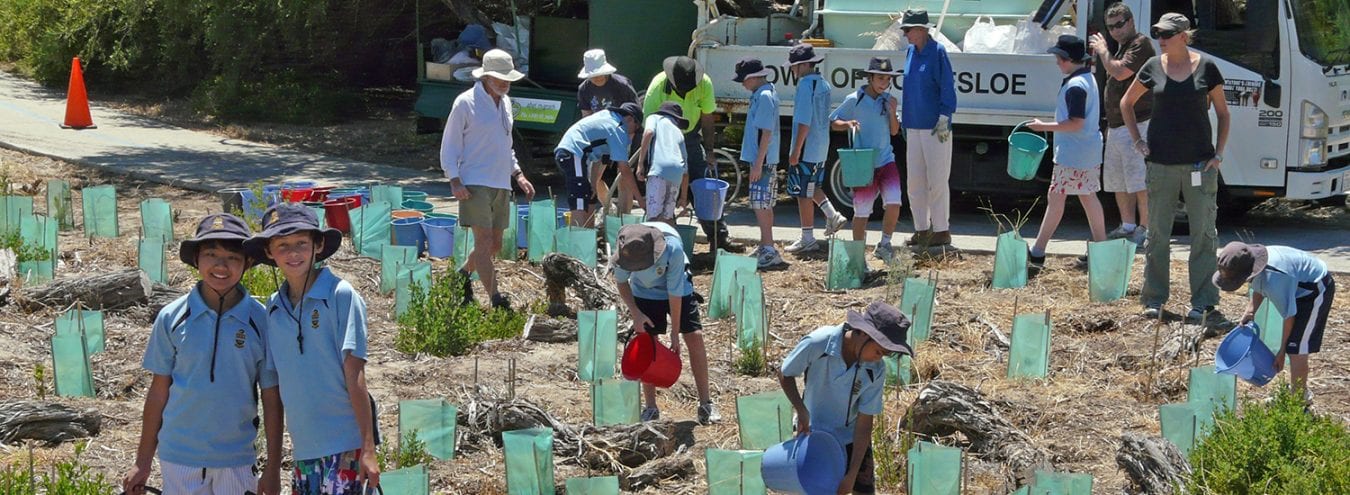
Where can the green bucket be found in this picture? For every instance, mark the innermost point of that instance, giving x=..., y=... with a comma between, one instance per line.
x=421, y=206
x=440, y=215
x=1025, y=151
x=858, y=164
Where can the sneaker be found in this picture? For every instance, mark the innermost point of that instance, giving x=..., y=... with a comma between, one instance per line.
x=884, y=252
x=1121, y=233
x=707, y=414
x=1140, y=236
x=1152, y=311
x=1197, y=315
x=835, y=223
x=650, y=414
x=769, y=257
x=803, y=246
x=919, y=238
x=500, y=301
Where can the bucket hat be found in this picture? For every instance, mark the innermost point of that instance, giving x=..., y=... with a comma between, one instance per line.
x=881, y=65
x=803, y=53
x=639, y=247
x=289, y=218
x=497, y=63
x=1239, y=263
x=1069, y=47
x=683, y=73
x=750, y=67
x=1170, y=22
x=916, y=18
x=884, y=324
x=214, y=227
x=593, y=64
x=675, y=112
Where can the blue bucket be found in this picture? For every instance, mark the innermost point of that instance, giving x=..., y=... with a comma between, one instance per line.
x=408, y=232
x=811, y=464
x=1243, y=354
x=522, y=224
x=273, y=194
x=251, y=210
x=440, y=234
x=710, y=195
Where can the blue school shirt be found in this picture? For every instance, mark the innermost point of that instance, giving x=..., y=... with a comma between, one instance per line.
x=927, y=88
x=209, y=424
x=667, y=277
x=1286, y=268
x=874, y=129
x=811, y=107
x=763, y=115
x=319, y=412
x=666, y=156
x=835, y=392
x=600, y=133
x=1078, y=98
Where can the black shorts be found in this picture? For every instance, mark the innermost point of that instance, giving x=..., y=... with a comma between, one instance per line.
x=1310, y=320
x=866, y=480
x=658, y=309
x=580, y=194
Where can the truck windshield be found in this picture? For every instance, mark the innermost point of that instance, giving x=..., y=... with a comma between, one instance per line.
x=1244, y=33
x=1323, y=30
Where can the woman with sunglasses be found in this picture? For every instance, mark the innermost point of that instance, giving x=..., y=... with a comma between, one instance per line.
x=1182, y=160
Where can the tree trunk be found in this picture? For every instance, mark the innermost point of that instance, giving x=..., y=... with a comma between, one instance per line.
x=107, y=291
x=1185, y=342
x=562, y=272
x=51, y=424
x=554, y=330
x=943, y=408
x=1152, y=463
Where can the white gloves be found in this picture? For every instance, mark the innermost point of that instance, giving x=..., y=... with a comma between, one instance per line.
x=943, y=129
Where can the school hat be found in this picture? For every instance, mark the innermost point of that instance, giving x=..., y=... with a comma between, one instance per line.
x=1069, y=47
x=474, y=36
x=289, y=218
x=916, y=18
x=628, y=109
x=1170, y=22
x=675, y=112
x=803, y=53
x=881, y=65
x=213, y=227
x=497, y=63
x=639, y=247
x=748, y=68
x=883, y=323
x=682, y=72
x=593, y=64
x=1239, y=263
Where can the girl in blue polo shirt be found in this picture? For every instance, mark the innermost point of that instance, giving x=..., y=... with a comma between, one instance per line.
x=207, y=351
x=317, y=347
x=869, y=114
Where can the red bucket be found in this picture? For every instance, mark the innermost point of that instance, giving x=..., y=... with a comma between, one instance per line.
x=650, y=361
x=297, y=195
x=335, y=213
x=320, y=193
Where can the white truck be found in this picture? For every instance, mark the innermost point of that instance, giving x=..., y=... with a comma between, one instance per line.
x=1286, y=65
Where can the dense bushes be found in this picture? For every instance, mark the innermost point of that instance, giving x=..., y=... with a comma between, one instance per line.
x=439, y=323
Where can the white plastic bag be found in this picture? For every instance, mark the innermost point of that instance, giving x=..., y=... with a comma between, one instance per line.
x=942, y=40
x=518, y=48
x=1029, y=38
x=1052, y=35
x=986, y=37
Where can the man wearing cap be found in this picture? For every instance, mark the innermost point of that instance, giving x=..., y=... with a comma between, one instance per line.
x=478, y=158
x=1123, y=166
x=652, y=275
x=1298, y=286
x=928, y=102
x=601, y=86
x=682, y=81
x=809, y=147
x=869, y=116
x=662, y=149
x=844, y=376
x=578, y=155
x=759, y=152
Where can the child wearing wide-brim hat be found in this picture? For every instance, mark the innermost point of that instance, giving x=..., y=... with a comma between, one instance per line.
x=809, y=148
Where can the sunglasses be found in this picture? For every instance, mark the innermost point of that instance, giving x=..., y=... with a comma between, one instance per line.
x=1159, y=34
x=1118, y=25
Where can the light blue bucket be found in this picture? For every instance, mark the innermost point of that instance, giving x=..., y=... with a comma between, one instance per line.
x=273, y=193
x=408, y=232
x=811, y=464
x=440, y=234
x=1243, y=354
x=522, y=221
x=710, y=195
x=251, y=210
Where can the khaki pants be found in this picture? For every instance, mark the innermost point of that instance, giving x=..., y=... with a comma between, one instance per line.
x=1165, y=184
x=928, y=167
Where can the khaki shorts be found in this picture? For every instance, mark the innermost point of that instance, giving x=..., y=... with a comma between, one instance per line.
x=486, y=207
x=1123, y=167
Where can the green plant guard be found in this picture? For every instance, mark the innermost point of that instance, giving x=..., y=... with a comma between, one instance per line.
x=614, y=402
x=1010, y=261
x=751, y=317
x=406, y=481
x=415, y=276
x=150, y=258
x=434, y=422
x=724, y=282
x=157, y=220
x=543, y=221
x=393, y=195
x=529, y=461
x=100, y=211
x=764, y=419
x=16, y=208
x=83, y=323
x=597, y=343
x=847, y=266
x=37, y=252
x=1271, y=326
x=509, y=250
x=370, y=228
x=600, y=485
x=934, y=469
x=70, y=366
x=1109, y=266
x=59, y=204
x=1029, y=353
x=734, y=472
x=899, y=370
x=578, y=243
x=391, y=257
x=917, y=303
x=1206, y=389
x=464, y=242
x=615, y=222
x=1180, y=425
x=1051, y=483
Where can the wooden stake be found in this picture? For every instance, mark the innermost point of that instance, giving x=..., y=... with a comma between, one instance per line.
x=511, y=374
x=1153, y=361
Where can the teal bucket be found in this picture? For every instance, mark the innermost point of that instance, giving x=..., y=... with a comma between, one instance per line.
x=1243, y=354
x=688, y=233
x=857, y=166
x=811, y=464
x=440, y=234
x=1025, y=151
x=421, y=206
x=414, y=196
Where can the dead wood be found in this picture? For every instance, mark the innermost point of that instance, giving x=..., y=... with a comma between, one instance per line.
x=9, y=265
x=544, y=329
x=107, y=291
x=1153, y=464
x=619, y=448
x=160, y=297
x=944, y=408
x=999, y=338
x=1185, y=342
x=654, y=473
x=50, y=424
x=562, y=272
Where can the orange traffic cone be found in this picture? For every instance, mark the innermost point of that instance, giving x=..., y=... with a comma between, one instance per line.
x=77, y=101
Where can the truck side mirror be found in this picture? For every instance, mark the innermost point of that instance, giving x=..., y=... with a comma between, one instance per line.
x=1270, y=93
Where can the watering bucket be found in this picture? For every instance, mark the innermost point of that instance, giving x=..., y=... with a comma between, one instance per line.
x=295, y=195
x=414, y=196
x=299, y=184
x=522, y=220
x=440, y=234
x=272, y=193
x=434, y=214
x=231, y=198
x=422, y=206
x=650, y=361
x=858, y=164
x=688, y=233
x=408, y=232
x=1243, y=354
x=352, y=195
x=396, y=214
x=710, y=196
x=1024, y=153
x=335, y=213
x=320, y=193
x=811, y=464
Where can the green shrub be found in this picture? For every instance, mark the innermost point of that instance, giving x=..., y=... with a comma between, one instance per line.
x=13, y=241
x=402, y=456
x=287, y=96
x=751, y=361
x=68, y=477
x=438, y=323
x=1273, y=447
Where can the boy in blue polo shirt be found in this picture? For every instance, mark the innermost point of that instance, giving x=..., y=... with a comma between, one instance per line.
x=662, y=149
x=207, y=351
x=652, y=275
x=759, y=152
x=606, y=133
x=316, y=334
x=869, y=114
x=844, y=376
x=809, y=147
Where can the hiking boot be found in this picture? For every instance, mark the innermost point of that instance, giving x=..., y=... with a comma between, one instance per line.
x=884, y=252
x=707, y=414
x=769, y=258
x=943, y=238
x=834, y=223
x=650, y=414
x=1121, y=233
x=920, y=238
x=499, y=301
x=1197, y=315
x=803, y=246
x=1152, y=311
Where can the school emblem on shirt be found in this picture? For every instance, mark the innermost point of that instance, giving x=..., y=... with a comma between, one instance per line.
x=239, y=339
x=218, y=223
x=660, y=271
x=314, y=319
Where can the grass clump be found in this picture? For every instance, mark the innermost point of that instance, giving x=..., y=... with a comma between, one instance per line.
x=439, y=323
x=402, y=456
x=1273, y=447
x=751, y=361
x=67, y=477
